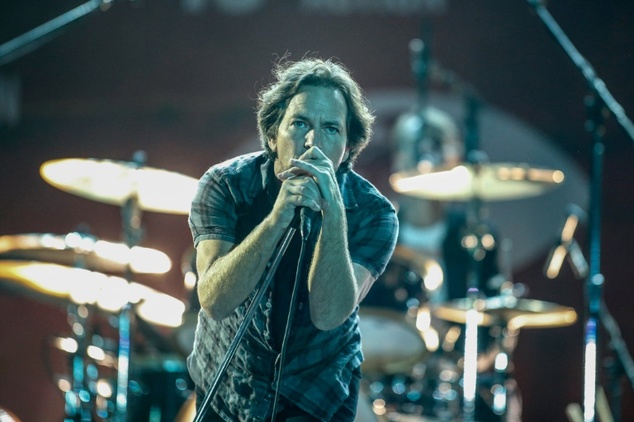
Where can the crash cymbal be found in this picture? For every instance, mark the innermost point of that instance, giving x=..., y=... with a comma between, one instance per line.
x=510, y=311
x=488, y=182
x=115, y=182
x=78, y=249
x=85, y=287
x=7, y=416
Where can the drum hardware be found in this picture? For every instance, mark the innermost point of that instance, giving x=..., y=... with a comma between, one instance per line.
x=79, y=249
x=134, y=188
x=81, y=291
x=507, y=315
x=79, y=398
x=477, y=240
x=116, y=182
x=90, y=289
x=567, y=247
x=488, y=182
x=508, y=311
x=393, y=310
x=474, y=182
x=429, y=392
x=599, y=104
x=7, y=416
x=159, y=387
x=86, y=392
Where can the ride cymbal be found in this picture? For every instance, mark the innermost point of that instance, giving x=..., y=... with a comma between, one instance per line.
x=85, y=251
x=85, y=287
x=509, y=311
x=488, y=182
x=115, y=182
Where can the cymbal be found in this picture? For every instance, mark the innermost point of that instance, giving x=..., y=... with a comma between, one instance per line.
x=510, y=311
x=115, y=182
x=7, y=416
x=488, y=182
x=85, y=287
x=77, y=249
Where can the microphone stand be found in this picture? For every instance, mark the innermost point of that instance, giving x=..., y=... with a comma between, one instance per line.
x=624, y=363
x=32, y=39
x=600, y=99
x=306, y=215
x=280, y=249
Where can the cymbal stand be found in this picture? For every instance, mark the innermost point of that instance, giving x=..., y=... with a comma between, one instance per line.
x=132, y=231
x=472, y=242
x=599, y=101
x=80, y=396
x=624, y=365
x=476, y=241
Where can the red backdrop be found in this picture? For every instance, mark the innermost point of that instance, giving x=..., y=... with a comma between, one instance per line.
x=181, y=87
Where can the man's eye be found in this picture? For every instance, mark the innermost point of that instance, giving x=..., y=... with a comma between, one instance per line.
x=299, y=124
x=332, y=130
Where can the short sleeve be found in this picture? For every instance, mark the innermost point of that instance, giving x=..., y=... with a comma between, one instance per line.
x=212, y=214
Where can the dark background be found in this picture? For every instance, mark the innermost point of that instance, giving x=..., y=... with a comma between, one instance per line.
x=180, y=85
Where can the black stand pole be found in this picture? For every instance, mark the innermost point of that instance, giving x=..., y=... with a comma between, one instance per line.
x=471, y=241
x=601, y=99
x=624, y=363
x=594, y=82
x=132, y=232
x=30, y=40
x=261, y=290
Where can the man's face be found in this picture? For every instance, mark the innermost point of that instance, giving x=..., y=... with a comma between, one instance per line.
x=315, y=116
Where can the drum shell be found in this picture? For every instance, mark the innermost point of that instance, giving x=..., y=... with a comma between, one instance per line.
x=158, y=389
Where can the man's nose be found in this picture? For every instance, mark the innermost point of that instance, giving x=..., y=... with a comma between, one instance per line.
x=312, y=139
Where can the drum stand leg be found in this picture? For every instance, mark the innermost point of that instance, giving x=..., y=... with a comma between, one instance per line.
x=78, y=398
x=474, y=242
x=133, y=232
x=123, y=363
x=503, y=390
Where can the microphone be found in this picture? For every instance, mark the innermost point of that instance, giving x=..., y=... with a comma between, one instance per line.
x=307, y=216
x=566, y=245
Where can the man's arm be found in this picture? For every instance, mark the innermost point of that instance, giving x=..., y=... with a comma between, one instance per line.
x=335, y=283
x=227, y=272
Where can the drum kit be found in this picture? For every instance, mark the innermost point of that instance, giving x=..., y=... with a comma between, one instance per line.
x=413, y=370
x=104, y=377
x=420, y=358
x=440, y=325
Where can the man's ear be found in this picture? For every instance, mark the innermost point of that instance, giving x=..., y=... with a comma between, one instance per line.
x=346, y=154
x=272, y=144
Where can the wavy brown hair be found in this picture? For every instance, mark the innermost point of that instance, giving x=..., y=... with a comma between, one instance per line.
x=290, y=76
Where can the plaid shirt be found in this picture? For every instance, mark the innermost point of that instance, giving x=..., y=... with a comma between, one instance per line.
x=232, y=198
